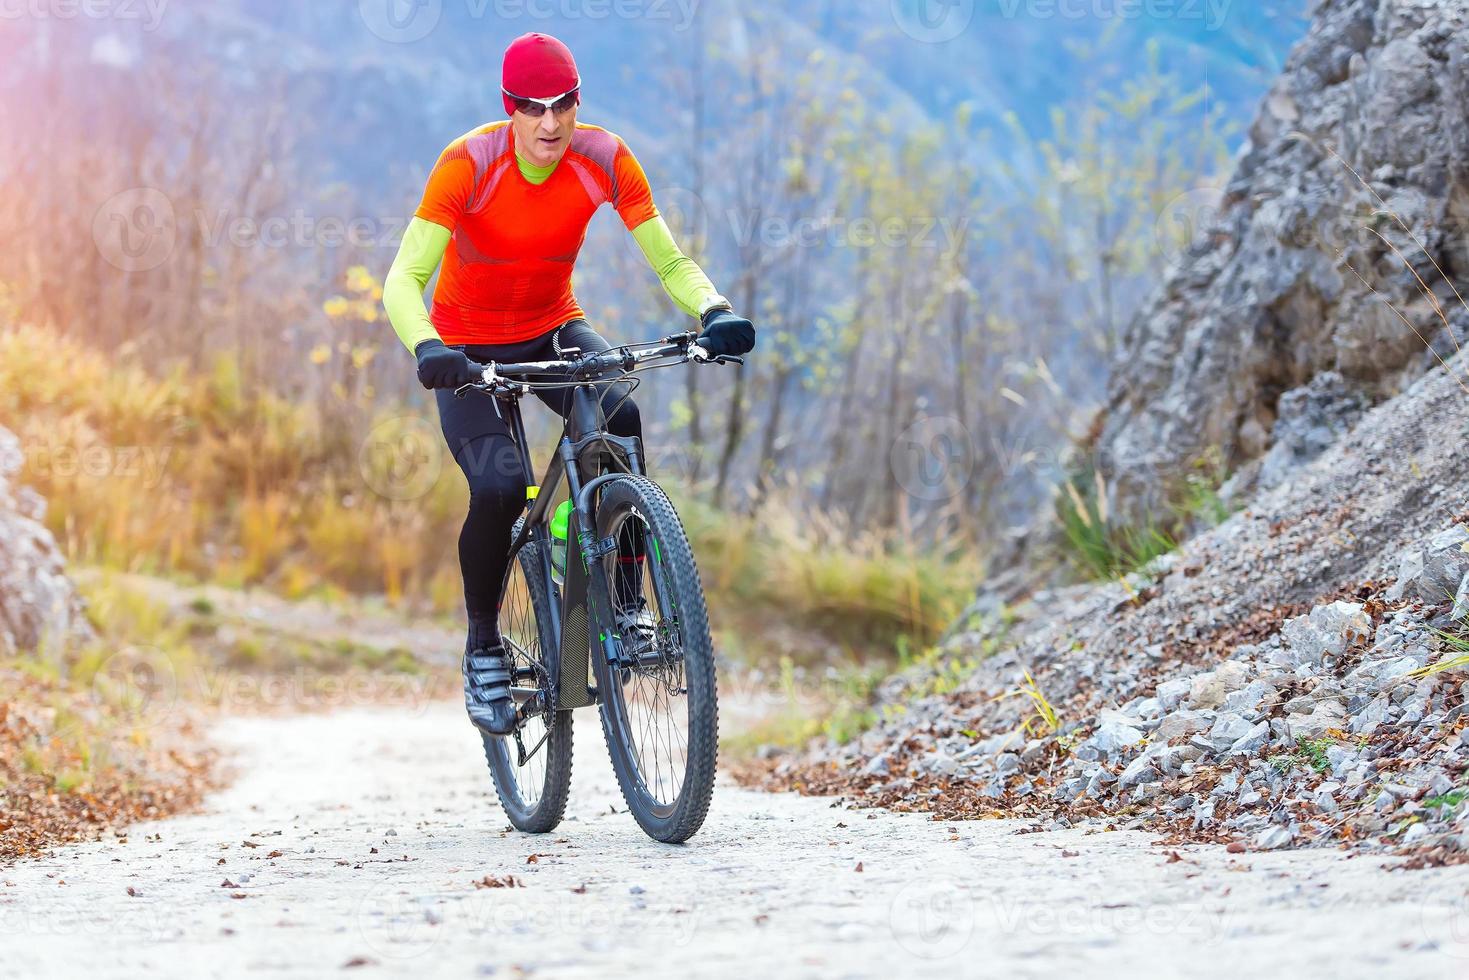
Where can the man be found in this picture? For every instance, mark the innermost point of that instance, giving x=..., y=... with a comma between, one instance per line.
x=506, y=212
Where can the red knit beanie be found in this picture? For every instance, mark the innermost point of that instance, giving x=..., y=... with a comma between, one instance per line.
x=537, y=66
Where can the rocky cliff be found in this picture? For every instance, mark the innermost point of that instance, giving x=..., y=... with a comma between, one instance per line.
x=1297, y=674
x=1323, y=280
x=38, y=605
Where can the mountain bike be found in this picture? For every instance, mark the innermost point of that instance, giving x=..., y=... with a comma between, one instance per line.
x=654, y=684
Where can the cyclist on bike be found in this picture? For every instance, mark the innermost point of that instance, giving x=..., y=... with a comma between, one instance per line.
x=506, y=211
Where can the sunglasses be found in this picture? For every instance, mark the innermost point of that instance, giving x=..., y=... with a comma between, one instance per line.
x=535, y=108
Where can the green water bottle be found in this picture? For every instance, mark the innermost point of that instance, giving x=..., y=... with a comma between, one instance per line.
x=560, y=525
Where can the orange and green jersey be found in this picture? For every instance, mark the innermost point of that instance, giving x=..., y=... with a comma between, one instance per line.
x=508, y=235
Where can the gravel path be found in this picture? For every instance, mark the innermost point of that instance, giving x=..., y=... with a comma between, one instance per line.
x=775, y=885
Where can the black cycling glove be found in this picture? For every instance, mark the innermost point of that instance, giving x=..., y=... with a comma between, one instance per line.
x=444, y=367
x=726, y=333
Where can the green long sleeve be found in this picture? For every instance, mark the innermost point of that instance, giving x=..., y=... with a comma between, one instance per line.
x=423, y=248
x=681, y=276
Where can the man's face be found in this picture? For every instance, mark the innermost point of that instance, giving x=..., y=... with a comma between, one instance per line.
x=543, y=140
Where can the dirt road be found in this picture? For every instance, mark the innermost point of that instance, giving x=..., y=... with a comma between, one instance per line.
x=355, y=840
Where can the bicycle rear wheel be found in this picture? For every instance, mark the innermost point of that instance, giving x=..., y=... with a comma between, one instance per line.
x=659, y=707
x=531, y=769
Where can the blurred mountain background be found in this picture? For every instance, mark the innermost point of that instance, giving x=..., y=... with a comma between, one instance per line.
x=941, y=214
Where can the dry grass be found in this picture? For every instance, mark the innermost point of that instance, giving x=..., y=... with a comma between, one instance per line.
x=204, y=478
x=200, y=477
x=866, y=591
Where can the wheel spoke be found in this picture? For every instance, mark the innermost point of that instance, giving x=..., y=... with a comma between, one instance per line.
x=653, y=698
x=532, y=767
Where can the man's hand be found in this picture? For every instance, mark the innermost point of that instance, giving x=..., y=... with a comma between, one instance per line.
x=725, y=333
x=444, y=367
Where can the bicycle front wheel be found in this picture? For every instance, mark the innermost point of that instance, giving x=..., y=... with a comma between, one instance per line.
x=659, y=707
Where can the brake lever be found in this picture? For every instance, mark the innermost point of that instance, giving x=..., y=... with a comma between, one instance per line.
x=486, y=382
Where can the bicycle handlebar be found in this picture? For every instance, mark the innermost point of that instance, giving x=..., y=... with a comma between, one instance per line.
x=590, y=367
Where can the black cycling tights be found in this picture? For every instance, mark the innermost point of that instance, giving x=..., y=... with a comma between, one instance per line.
x=480, y=439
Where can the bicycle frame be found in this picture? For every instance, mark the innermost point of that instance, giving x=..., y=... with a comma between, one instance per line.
x=584, y=441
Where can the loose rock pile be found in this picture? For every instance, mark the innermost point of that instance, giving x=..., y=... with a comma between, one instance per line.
x=1340, y=726
x=1268, y=684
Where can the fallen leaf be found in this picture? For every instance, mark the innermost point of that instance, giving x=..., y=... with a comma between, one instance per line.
x=357, y=961
x=275, y=854
x=859, y=866
x=133, y=891
x=1236, y=847
x=509, y=881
